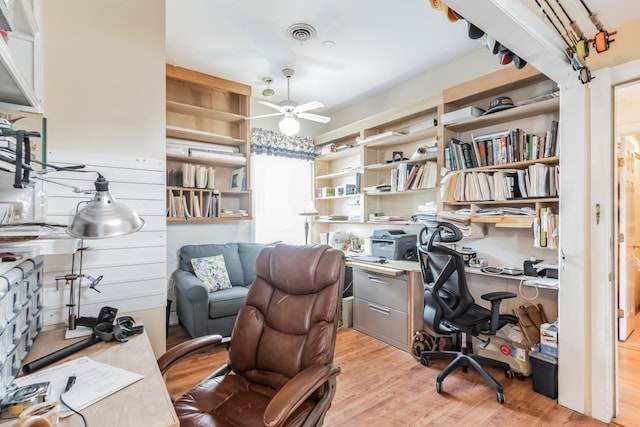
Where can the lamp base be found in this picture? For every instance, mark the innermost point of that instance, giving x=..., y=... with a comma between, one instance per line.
x=79, y=331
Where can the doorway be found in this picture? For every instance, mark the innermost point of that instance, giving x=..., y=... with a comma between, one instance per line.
x=627, y=137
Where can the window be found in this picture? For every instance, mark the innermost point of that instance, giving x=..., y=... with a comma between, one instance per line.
x=282, y=183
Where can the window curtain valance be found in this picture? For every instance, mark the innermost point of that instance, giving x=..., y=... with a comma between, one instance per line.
x=272, y=143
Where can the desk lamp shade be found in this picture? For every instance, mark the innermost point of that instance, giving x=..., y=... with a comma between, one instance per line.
x=103, y=216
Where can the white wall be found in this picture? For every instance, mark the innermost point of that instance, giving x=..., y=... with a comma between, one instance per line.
x=431, y=83
x=104, y=87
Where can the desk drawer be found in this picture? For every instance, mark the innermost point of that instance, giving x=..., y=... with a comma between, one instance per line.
x=387, y=291
x=383, y=323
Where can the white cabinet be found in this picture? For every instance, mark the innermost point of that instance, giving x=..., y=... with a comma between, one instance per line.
x=20, y=56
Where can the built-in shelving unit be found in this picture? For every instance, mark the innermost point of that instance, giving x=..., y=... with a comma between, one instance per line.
x=369, y=153
x=207, y=129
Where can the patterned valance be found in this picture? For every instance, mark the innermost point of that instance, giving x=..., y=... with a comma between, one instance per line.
x=272, y=143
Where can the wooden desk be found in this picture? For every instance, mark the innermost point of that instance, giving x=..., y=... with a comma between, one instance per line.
x=143, y=403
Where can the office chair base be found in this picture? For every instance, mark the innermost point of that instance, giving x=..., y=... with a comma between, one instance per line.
x=463, y=360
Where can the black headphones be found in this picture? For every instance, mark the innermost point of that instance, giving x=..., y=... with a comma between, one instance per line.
x=119, y=331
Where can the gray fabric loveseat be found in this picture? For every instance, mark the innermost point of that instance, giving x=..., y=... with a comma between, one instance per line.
x=202, y=311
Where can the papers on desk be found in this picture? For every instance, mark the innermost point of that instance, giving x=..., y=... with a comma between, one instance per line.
x=542, y=282
x=94, y=381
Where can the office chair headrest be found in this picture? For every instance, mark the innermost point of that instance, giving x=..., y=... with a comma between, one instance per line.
x=441, y=232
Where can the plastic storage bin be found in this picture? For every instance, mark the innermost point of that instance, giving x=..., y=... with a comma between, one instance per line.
x=545, y=374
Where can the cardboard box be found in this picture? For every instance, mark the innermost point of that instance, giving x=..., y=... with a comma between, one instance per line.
x=549, y=339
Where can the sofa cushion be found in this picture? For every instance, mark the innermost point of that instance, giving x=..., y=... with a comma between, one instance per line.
x=248, y=254
x=228, y=250
x=227, y=302
x=212, y=271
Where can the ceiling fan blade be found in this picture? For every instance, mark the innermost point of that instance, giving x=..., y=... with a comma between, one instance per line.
x=264, y=115
x=314, y=117
x=275, y=106
x=308, y=106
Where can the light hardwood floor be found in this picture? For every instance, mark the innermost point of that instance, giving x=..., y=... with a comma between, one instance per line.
x=629, y=379
x=383, y=386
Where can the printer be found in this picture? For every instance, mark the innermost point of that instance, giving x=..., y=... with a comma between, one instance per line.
x=394, y=245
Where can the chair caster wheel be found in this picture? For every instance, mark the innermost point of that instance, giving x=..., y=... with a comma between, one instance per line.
x=509, y=374
x=439, y=387
x=520, y=377
x=501, y=398
x=465, y=369
x=424, y=360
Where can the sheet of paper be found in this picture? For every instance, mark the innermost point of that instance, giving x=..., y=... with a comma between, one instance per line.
x=94, y=381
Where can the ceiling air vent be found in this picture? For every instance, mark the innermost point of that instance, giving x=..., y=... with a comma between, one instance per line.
x=301, y=32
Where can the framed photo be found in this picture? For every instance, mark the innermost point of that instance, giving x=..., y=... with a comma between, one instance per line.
x=239, y=179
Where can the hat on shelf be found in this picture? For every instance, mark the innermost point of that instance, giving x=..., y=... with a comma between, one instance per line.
x=498, y=104
x=518, y=62
x=474, y=32
x=505, y=56
x=490, y=43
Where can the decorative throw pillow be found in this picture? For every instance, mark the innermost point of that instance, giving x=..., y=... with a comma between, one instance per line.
x=212, y=271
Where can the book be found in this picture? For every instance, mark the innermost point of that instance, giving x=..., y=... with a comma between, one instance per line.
x=411, y=175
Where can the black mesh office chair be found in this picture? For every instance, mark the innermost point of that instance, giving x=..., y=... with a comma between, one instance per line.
x=449, y=307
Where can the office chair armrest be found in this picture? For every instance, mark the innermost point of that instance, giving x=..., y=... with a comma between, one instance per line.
x=187, y=349
x=492, y=296
x=496, y=299
x=296, y=391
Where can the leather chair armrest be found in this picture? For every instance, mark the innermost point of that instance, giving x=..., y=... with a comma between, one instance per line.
x=496, y=299
x=187, y=349
x=296, y=391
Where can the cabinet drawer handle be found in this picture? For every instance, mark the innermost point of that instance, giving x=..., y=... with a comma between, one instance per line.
x=381, y=310
x=373, y=279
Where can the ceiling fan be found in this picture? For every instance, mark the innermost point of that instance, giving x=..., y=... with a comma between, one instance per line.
x=290, y=110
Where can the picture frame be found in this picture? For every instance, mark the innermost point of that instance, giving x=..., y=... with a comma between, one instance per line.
x=238, y=179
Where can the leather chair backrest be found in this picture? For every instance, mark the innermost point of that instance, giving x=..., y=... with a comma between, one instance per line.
x=291, y=314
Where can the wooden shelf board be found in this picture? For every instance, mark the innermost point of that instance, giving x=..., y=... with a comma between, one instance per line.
x=505, y=221
x=353, y=151
x=232, y=161
x=505, y=202
x=348, y=196
x=394, y=140
x=202, y=219
x=194, y=110
x=400, y=193
x=328, y=221
x=514, y=165
x=392, y=165
x=543, y=107
x=197, y=135
x=402, y=222
x=339, y=174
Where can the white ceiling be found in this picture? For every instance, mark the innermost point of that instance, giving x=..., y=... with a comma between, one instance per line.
x=377, y=44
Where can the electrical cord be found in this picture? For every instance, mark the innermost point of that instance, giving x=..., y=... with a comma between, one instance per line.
x=523, y=296
x=70, y=382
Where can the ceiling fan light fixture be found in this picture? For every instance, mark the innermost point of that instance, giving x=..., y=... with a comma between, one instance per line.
x=268, y=91
x=289, y=125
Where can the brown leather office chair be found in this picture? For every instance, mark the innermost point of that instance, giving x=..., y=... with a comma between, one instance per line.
x=280, y=370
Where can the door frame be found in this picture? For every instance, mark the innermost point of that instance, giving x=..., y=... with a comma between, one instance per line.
x=604, y=239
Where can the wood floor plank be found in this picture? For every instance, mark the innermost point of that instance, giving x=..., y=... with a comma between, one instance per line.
x=382, y=386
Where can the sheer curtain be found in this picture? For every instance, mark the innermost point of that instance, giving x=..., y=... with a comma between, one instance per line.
x=282, y=173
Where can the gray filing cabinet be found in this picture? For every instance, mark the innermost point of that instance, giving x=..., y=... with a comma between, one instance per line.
x=380, y=307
